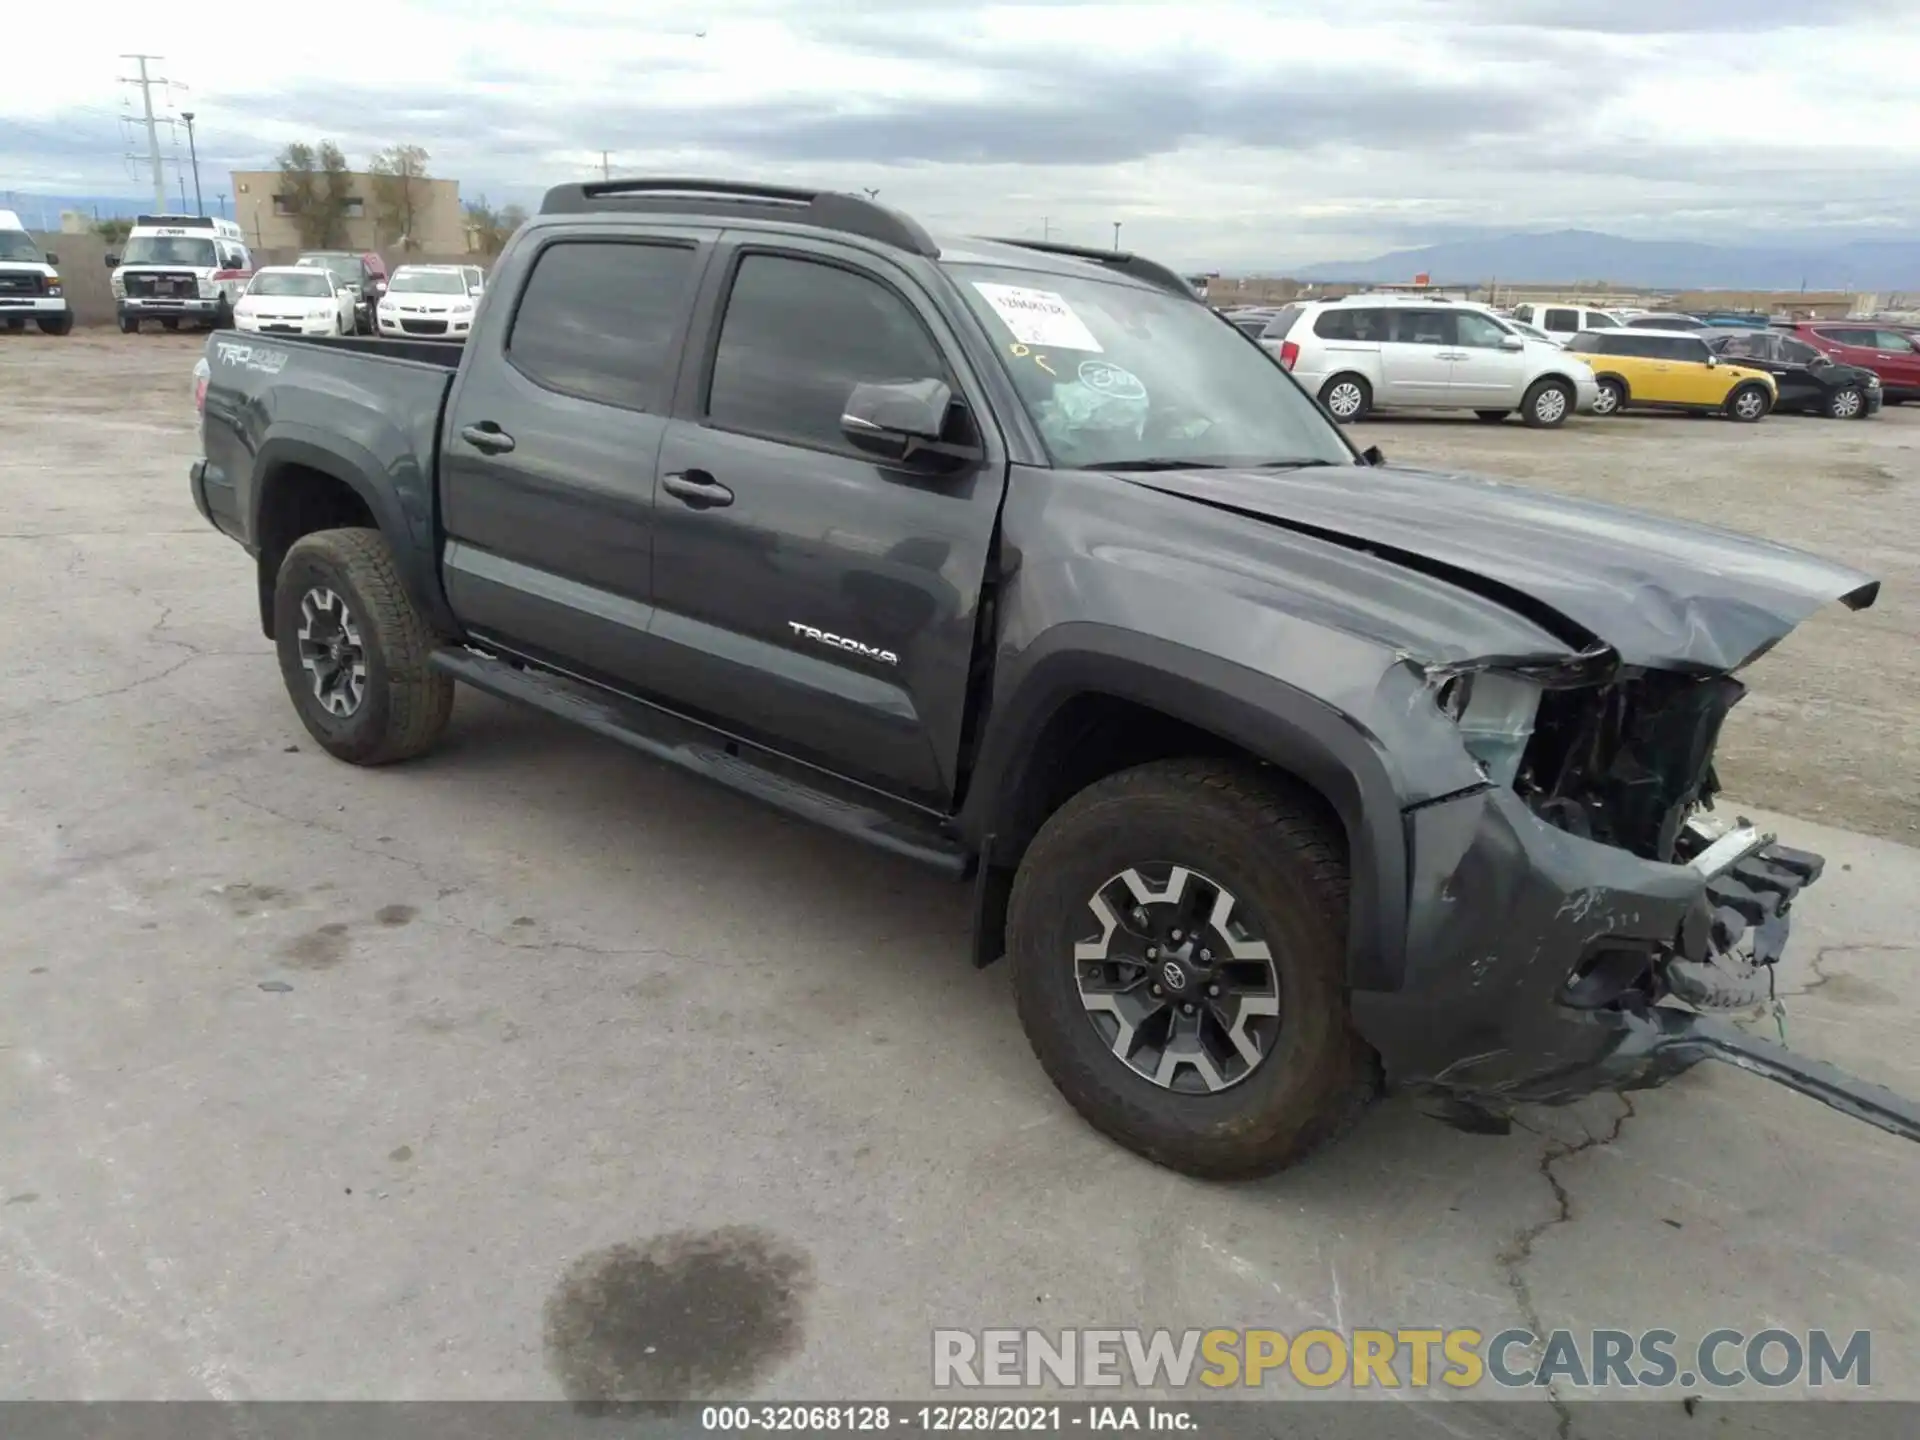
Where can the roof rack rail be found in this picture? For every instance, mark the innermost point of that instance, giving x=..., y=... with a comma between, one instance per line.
x=1139, y=267
x=825, y=209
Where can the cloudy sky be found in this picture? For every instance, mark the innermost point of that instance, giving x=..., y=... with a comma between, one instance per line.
x=1217, y=134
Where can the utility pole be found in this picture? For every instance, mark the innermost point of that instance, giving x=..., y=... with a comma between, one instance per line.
x=146, y=83
x=1116, y=235
x=606, y=166
x=1046, y=228
x=222, y=198
x=193, y=153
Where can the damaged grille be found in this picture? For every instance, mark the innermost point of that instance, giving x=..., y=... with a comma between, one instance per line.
x=1626, y=763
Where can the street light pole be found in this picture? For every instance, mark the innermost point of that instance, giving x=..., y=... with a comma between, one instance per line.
x=199, y=205
x=1116, y=235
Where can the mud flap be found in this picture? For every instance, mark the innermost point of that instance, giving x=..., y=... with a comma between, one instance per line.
x=1684, y=1035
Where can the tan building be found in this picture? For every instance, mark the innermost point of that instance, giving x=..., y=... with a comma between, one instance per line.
x=439, y=223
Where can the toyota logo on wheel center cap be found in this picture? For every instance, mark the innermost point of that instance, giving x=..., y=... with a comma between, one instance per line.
x=1175, y=977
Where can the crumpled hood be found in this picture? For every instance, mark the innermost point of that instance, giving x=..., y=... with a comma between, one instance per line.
x=1666, y=594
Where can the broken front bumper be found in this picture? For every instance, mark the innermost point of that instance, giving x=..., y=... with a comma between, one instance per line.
x=1539, y=961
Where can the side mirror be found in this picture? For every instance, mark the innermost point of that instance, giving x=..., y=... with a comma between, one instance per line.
x=52, y=259
x=1712, y=361
x=1513, y=342
x=897, y=419
x=112, y=261
x=1374, y=455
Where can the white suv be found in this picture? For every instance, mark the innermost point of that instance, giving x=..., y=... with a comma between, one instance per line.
x=1394, y=352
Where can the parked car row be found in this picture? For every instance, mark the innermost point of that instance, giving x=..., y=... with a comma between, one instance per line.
x=1546, y=362
x=328, y=293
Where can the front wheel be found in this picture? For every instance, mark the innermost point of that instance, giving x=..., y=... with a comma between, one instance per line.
x=1749, y=403
x=1610, y=398
x=61, y=324
x=129, y=325
x=1347, y=398
x=1177, y=938
x=354, y=651
x=1846, y=403
x=1547, y=405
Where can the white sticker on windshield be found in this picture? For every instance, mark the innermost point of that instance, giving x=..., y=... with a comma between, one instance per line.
x=1038, y=317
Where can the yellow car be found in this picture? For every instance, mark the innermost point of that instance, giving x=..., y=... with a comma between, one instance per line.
x=1670, y=370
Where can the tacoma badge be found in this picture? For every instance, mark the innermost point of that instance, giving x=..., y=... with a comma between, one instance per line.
x=841, y=642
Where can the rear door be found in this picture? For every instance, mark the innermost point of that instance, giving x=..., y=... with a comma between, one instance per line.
x=1849, y=344
x=547, y=460
x=1897, y=360
x=1485, y=374
x=808, y=597
x=1416, y=361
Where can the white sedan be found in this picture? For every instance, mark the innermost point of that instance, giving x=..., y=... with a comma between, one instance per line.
x=430, y=301
x=295, y=300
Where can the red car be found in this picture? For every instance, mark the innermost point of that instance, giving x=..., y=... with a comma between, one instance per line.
x=1891, y=351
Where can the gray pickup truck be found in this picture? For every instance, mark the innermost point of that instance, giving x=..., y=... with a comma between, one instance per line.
x=1279, y=773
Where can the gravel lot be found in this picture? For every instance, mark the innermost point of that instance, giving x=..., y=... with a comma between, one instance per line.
x=328, y=1083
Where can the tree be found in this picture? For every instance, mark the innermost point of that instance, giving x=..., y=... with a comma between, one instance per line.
x=315, y=188
x=488, y=229
x=399, y=173
x=114, y=232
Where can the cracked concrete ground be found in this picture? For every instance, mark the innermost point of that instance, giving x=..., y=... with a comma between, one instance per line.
x=321, y=1082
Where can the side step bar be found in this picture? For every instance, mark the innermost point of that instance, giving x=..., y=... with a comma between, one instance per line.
x=691, y=747
x=1705, y=1037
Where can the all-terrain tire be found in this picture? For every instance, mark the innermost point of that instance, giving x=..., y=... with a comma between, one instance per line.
x=61, y=324
x=129, y=325
x=1253, y=834
x=405, y=704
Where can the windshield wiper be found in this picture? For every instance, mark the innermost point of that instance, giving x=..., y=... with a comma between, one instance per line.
x=1291, y=464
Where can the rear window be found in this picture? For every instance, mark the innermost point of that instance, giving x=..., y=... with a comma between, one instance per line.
x=1351, y=324
x=598, y=320
x=1281, y=322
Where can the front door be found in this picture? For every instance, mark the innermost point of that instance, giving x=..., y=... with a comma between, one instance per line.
x=1485, y=374
x=809, y=597
x=1416, y=362
x=1897, y=361
x=548, y=462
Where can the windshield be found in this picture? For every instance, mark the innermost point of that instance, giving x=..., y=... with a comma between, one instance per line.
x=428, y=282
x=344, y=267
x=18, y=245
x=194, y=251
x=288, y=283
x=1117, y=375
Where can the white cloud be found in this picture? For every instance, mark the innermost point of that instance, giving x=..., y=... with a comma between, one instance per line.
x=1215, y=132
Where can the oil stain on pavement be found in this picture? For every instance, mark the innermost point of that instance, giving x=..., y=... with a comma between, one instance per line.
x=683, y=1316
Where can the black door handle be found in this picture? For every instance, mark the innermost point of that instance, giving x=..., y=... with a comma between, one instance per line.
x=697, y=489
x=487, y=437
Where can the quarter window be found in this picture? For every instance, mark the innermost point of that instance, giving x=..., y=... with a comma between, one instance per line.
x=598, y=320
x=798, y=336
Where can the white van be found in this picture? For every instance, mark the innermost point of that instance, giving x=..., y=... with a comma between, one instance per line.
x=30, y=287
x=1411, y=352
x=180, y=267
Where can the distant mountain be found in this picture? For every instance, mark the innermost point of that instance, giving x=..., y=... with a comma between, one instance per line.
x=43, y=211
x=1577, y=255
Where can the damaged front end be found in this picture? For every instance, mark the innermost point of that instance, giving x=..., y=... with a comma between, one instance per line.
x=1575, y=921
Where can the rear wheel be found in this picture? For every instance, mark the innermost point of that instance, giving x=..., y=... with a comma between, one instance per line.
x=1610, y=398
x=1846, y=403
x=354, y=651
x=1177, y=938
x=13, y=322
x=1548, y=404
x=1749, y=403
x=1347, y=398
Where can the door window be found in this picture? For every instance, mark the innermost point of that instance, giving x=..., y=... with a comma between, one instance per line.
x=1421, y=327
x=1796, y=352
x=1892, y=341
x=1562, y=320
x=798, y=336
x=598, y=320
x=1600, y=320
x=1477, y=332
x=1863, y=338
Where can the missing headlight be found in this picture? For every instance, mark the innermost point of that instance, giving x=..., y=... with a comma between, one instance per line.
x=1495, y=714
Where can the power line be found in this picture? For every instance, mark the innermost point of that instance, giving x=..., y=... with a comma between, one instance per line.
x=146, y=83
